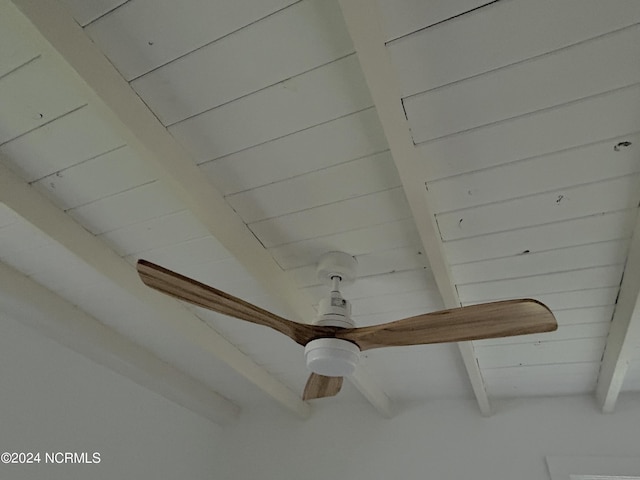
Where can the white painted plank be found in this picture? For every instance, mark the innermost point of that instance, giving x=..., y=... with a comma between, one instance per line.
x=114, y=172
x=512, y=31
x=580, y=71
x=564, y=332
x=15, y=47
x=329, y=92
x=363, y=320
x=596, y=277
x=401, y=17
x=563, y=259
x=533, y=380
x=540, y=238
x=593, y=297
x=184, y=254
x=564, y=204
x=376, y=263
x=586, y=164
x=145, y=34
x=543, y=353
x=575, y=316
x=395, y=234
x=48, y=149
x=156, y=233
x=217, y=273
x=86, y=11
x=384, y=284
x=605, y=116
x=332, y=143
x=33, y=95
x=428, y=300
x=341, y=182
x=139, y=204
x=288, y=43
x=337, y=217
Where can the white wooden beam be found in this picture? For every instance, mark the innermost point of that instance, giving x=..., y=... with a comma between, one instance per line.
x=365, y=383
x=365, y=26
x=33, y=305
x=624, y=333
x=28, y=203
x=118, y=103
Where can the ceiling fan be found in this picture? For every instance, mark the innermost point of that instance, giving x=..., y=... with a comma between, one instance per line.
x=333, y=343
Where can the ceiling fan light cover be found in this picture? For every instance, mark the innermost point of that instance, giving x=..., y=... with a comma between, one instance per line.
x=331, y=357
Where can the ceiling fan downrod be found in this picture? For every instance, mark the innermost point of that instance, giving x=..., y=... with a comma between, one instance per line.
x=333, y=357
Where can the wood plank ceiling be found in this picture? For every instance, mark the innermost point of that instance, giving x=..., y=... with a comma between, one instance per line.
x=526, y=116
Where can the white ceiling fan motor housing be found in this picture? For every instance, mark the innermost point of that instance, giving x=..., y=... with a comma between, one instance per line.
x=333, y=357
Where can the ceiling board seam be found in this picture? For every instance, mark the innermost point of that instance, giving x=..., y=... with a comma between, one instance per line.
x=129, y=225
x=473, y=302
x=533, y=157
x=342, y=232
x=540, y=224
x=107, y=196
x=593, y=215
x=521, y=62
x=15, y=69
x=541, y=342
x=377, y=276
x=452, y=18
x=321, y=169
x=62, y=170
x=546, y=274
x=104, y=14
x=538, y=194
x=287, y=135
x=538, y=252
x=417, y=246
x=399, y=187
x=211, y=42
x=44, y=124
x=291, y=77
x=528, y=114
x=536, y=366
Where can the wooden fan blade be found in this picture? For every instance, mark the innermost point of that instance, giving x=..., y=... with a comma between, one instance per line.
x=487, y=320
x=319, y=386
x=189, y=290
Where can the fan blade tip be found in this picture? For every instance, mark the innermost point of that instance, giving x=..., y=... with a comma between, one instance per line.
x=320, y=386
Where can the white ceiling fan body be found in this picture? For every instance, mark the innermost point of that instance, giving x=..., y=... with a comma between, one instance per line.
x=333, y=357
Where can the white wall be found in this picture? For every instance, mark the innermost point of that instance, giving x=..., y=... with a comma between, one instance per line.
x=53, y=399
x=439, y=440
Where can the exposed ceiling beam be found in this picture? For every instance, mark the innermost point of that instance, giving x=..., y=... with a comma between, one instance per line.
x=25, y=201
x=365, y=26
x=624, y=333
x=32, y=304
x=112, y=96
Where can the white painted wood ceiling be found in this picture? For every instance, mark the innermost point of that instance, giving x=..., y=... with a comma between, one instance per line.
x=526, y=116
